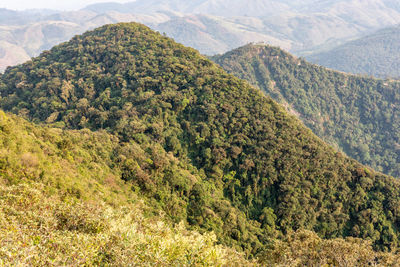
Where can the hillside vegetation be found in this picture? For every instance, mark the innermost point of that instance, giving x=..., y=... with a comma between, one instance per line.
x=61, y=203
x=205, y=147
x=356, y=114
x=376, y=54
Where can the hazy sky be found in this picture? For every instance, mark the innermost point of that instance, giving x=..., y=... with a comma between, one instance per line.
x=52, y=4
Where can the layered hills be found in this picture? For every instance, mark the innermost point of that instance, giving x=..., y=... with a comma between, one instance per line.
x=376, y=9
x=376, y=54
x=205, y=147
x=254, y=8
x=356, y=114
x=302, y=27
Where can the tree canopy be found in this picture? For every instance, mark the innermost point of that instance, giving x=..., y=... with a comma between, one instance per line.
x=358, y=115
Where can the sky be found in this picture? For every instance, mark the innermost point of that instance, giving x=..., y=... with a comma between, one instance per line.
x=52, y=4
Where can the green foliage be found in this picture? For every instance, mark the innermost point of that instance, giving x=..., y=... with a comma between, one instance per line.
x=61, y=204
x=200, y=144
x=75, y=162
x=358, y=115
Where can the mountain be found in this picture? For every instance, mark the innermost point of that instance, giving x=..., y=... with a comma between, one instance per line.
x=211, y=26
x=205, y=147
x=358, y=115
x=376, y=54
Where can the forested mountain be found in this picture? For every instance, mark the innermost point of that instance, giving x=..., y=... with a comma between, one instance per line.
x=356, y=114
x=205, y=147
x=211, y=27
x=377, y=54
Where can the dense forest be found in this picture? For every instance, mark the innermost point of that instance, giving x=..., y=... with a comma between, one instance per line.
x=62, y=203
x=376, y=54
x=358, y=115
x=203, y=146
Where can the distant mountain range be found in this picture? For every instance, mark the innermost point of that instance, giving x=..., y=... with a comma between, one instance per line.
x=254, y=8
x=377, y=54
x=375, y=9
x=211, y=26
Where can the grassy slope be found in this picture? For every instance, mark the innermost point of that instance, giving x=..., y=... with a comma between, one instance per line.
x=65, y=206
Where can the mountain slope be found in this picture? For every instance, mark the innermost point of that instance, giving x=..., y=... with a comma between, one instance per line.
x=358, y=115
x=62, y=203
x=212, y=149
x=376, y=54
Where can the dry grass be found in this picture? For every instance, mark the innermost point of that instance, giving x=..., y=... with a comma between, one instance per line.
x=38, y=230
